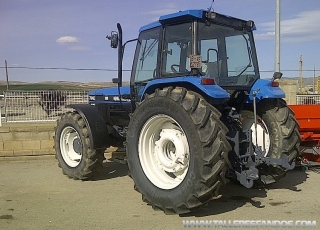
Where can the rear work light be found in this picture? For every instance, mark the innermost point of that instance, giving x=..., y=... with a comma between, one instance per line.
x=207, y=81
x=275, y=84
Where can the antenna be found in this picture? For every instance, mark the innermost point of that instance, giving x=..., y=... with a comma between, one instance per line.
x=209, y=9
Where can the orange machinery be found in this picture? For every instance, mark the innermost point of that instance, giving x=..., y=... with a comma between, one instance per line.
x=308, y=117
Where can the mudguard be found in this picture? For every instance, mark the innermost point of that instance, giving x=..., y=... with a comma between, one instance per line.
x=97, y=127
x=263, y=89
x=194, y=83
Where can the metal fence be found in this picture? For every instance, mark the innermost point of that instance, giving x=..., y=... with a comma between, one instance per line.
x=308, y=99
x=23, y=106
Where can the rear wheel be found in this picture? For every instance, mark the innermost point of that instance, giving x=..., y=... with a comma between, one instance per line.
x=72, y=144
x=176, y=145
x=278, y=135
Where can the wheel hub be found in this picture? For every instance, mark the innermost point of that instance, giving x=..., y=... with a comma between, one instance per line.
x=77, y=145
x=171, y=150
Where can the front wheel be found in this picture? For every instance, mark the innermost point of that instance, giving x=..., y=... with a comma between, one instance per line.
x=277, y=135
x=72, y=144
x=176, y=145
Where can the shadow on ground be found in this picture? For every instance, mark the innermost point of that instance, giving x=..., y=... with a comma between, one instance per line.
x=234, y=195
x=112, y=168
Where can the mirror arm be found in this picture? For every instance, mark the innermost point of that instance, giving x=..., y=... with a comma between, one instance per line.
x=120, y=55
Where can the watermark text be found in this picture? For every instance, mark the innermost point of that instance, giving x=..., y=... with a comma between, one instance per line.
x=249, y=223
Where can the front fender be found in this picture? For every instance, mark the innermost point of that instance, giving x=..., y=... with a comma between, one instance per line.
x=212, y=91
x=95, y=123
x=264, y=90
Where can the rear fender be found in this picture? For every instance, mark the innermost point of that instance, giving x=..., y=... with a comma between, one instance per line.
x=95, y=123
x=264, y=90
x=214, y=92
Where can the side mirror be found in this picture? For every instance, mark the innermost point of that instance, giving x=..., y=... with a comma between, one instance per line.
x=276, y=75
x=114, y=39
x=115, y=80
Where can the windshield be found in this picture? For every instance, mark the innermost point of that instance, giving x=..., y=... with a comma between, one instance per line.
x=146, y=56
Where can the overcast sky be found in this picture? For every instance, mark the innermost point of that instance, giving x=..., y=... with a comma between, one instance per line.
x=71, y=34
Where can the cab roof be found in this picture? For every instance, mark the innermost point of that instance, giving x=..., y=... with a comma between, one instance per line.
x=200, y=15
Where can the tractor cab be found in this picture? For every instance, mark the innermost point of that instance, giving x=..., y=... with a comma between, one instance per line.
x=197, y=43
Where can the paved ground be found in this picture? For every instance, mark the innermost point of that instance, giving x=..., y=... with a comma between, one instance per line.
x=35, y=195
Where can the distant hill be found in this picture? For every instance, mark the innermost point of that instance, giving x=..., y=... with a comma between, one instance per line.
x=59, y=85
x=306, y=81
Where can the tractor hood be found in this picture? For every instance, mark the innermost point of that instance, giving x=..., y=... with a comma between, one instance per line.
x=108, y=94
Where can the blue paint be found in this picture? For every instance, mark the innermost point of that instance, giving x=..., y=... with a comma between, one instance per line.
x=265, y=90
x=213, y=91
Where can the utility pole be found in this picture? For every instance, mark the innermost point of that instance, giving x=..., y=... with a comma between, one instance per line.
x=277, y=33
x=7, y=76
x=314, y=76
x=300, y=74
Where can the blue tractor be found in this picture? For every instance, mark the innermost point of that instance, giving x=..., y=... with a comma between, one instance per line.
x=195, y=114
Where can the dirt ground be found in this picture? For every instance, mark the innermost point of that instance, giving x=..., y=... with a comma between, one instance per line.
x=34, y=194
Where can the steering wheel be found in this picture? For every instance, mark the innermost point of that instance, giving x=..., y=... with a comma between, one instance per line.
x=173, y=69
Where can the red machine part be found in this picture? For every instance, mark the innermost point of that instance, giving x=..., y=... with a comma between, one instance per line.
x=308, y=117
x=310, y=157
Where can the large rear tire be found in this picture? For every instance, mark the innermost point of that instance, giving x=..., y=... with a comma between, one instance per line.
x=72, y=144
x=176, y=150
x=278, y=134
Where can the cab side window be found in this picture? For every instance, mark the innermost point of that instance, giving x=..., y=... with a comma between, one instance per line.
x=146, y=56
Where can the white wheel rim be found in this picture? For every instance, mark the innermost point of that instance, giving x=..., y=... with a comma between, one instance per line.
x=70, y=155
x=263, y=134
x=163, y=151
